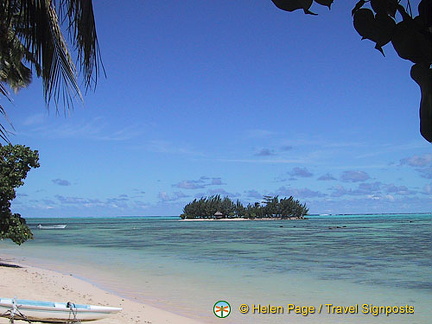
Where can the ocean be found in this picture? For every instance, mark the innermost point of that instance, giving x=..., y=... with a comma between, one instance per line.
x=325, y=269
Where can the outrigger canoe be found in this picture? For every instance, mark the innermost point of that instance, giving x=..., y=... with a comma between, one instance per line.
x=40, y=226
x=52, y=312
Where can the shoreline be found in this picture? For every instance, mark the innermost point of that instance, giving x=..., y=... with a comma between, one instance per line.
x=33, y=283
x=147, y=262
x=239, y=219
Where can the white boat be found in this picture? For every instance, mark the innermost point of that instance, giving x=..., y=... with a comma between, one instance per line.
x=40, y=226
x=52, y=312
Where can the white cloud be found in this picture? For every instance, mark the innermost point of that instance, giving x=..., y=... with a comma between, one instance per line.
x=301, y=172
x=354, y=176
x=97, y=129
x=61, y=182
x=299, y=193
x=265, y=152
x=428, y=189
x=253, y=194
x=201, y=183
x=381, y=197
x=189, y=184
x=326, y=177
x=421, y=163
x=164, y=196
x=425, y=173
x=35, y=119
x=217, y=182
x=418, y=161
x=222, y=192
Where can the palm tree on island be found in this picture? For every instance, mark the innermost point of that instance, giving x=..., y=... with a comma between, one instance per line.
x=215, y=207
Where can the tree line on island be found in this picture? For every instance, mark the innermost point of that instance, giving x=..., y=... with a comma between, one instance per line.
x=216, y=207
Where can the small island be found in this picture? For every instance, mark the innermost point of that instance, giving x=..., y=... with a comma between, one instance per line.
x=218, y=208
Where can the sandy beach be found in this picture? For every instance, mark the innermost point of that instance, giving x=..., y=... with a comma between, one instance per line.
x=40, y=284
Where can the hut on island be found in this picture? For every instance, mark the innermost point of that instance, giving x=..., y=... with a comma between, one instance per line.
x=219, y=215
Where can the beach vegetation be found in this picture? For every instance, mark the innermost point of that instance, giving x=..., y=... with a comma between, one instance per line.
x=15, y=162
x=216, y=207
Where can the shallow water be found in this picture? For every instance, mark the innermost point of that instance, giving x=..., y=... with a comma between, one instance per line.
x=186, y=267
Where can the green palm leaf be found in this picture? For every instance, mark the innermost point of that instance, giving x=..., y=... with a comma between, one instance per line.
x=31, y=39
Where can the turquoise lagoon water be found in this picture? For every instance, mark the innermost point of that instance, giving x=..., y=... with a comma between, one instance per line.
x=185, y=267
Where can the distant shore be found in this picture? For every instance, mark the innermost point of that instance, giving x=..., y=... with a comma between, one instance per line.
x=238, y=219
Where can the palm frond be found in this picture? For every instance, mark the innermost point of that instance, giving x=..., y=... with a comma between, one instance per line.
x=3, y=130
x=39, y=28
x=31, y=40
x=82, y=32
x=12, y=70
x=62, y=67
x=41, y=35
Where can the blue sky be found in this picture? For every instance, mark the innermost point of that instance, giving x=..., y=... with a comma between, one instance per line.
x=234, y=98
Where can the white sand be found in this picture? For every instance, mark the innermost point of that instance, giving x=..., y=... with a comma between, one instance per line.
x=40, y=284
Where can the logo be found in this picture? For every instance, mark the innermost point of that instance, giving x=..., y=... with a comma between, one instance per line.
x=221, y=309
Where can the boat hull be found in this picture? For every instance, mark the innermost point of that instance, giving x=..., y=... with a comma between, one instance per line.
x=51, y=226
x=51, y=312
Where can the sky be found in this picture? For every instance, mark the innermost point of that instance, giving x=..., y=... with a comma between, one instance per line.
x=236, y=98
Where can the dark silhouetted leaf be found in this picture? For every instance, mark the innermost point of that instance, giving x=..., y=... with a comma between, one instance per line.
x=379, y=48
x=377, y=28
x=384, y=7
x=364, y=23
x=422, y=74
x=358, y=6
x=425, y=12
x=410, y=43
x=384, y=29
x=291, y=5
x=403, y=13
x=326, y=3
x=411, y=39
